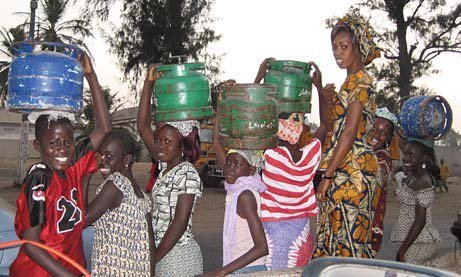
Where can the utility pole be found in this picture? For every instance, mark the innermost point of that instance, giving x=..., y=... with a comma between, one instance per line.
x=24, y=137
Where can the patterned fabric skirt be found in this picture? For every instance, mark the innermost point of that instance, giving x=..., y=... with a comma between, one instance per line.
x=378, y=220
x=182, y=260
x=418, y=253
x=289, y=243
x=346, y=218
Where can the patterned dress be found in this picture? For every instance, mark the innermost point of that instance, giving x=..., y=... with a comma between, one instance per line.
x=428, y=241
x=121, y=238
x=385, y=165
x=346, y=216
x=185, y=258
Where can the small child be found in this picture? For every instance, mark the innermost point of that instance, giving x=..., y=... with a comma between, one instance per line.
x=413, y=231
x=51, y=205
x=244, y=241
x=122, y=214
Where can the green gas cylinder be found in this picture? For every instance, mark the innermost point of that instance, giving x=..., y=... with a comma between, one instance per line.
x=182, y=93
x=293, y=85
x=248, y=116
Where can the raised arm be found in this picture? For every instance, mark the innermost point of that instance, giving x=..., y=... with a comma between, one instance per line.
x=217, y=146
x=326, y=95
x=262, y=70
x=103, y=125
x=144, y=120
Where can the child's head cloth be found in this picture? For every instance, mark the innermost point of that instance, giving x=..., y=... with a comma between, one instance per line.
x=253, y=157
x=52, y=115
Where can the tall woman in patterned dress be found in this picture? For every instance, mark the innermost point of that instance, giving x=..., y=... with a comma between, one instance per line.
x=176, y=189
x=351, y=167
x=380, y=138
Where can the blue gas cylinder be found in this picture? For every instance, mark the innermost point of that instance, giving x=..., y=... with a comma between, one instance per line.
x=426, y=117
x=44, y=80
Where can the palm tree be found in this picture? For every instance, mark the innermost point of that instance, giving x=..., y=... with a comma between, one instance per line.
x=52, y=27
x=8, y=38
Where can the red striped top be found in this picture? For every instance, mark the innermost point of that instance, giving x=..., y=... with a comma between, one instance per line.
x=290, y=192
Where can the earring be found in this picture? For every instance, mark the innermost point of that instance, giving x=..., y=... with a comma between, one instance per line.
x=126, y=167
x=423, y=166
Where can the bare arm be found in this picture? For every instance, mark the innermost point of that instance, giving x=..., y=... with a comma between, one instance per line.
x=177, y=227
x=109, y=198
x=103, y=125
x=150, y=230
x=40, y=256
x=144, y=120
x=345, y=141
x=85, y=187
x=247, y=209
x=262, y=70
x=413, y=233
x=217, y=146
x=325, y=104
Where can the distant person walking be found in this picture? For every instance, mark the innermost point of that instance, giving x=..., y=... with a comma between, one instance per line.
x=399, y=178
x=444, y=174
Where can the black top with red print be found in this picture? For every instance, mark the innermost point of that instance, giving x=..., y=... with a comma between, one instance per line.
x=56, y=202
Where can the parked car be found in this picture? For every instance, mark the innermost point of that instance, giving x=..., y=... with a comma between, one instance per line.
x=349, y=267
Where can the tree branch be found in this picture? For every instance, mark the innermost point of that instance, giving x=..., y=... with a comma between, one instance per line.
x=432, y=45
x=413, y=16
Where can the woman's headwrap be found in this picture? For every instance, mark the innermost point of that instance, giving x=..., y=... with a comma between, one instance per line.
x=290, y=129
x=253, y=157
x=364, y=34
x=386, y=114
x=184, y=127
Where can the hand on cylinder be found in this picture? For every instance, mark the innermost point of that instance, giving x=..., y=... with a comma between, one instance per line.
x=86, y=63
x=317, y=77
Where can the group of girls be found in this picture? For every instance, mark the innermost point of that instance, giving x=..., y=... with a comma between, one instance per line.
x=270, y=197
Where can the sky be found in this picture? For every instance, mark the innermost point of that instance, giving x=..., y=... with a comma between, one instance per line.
x=252, y=30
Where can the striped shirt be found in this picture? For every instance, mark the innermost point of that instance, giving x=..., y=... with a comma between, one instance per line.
x=290, y=192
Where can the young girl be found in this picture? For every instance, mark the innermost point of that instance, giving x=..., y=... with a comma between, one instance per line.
x=380, y=138
x=244, y=242
x=289, y=201
x=176, y=189
x=413, y=231
x=351, y=167
x=123, y=235
x=50, y=208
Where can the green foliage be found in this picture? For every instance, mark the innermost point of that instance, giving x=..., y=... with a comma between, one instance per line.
x=52, y=27
x=8, y=37
x=154, y=30
x=86, y=121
